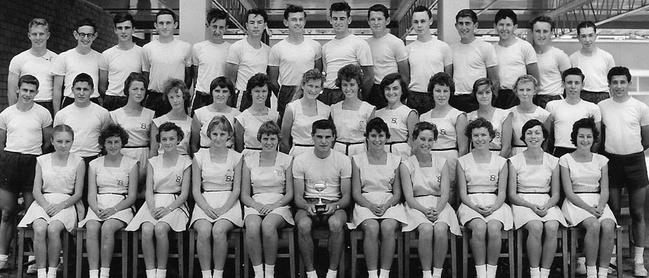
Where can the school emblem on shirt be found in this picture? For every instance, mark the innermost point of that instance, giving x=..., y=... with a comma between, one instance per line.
x=229, y=175
x=439, y=178
x=179, y=179
x=362, y=124
x=120, y=182
x=492, y=178
x=497, y=134
x=393, y=120
x=279, y=173
x=442, y=131
x=143, y=126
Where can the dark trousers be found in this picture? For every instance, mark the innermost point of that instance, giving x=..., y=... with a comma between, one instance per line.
x=377, y=97
x=331, y=96
x=201, y=99
x=506, y=99
x=560, y=151
x=113, y=102
x=594, y=97
x=48, y=105
x=422, y=102
x=542, y=100
x=464, y=102
x=157, y=103
x=285, y=96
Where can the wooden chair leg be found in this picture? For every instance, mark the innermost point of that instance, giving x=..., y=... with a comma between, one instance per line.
x=238, y=236
x=519, y=252
x=80, y=236
x=21, y=251
x=465, y=254
x=292, y=251
x=124, y=239
x=406, y=253
x=66, y=253
x=400, y=258
x=136, y=251
x=246, y=259
x=354, y=237
x=192, y=244
x=564, y=251
x=181, y=256
x=618, y=253
x=453, y=244
x=510, y=247
x=573, y=251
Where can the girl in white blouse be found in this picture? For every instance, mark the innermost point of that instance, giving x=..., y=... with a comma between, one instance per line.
x=526, y=87
x=248, y=122
x=177, y=94
x=222, y=91
x=400, y=118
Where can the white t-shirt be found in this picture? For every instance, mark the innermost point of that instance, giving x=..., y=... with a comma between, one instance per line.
x=565, y=115
x=512, y=61
x=330, y=171
x=210, y=60
x=470, y=62
x=25, y=128
x=595, y=68
x=623, y=121
x=387, y=51
x=294, y=60
x=249, y=59
x=426, y=59
x=71, y=63
x=551, y=64
x=120, y=64
x=86, y=123
x=338, y=53
x=166, y=60
x=40, y=67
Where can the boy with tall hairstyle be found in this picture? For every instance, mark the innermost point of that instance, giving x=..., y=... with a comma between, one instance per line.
x=551, y=61
x=594, y=61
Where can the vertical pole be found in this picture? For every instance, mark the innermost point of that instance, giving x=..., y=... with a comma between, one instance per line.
x=446, y=11
x=192, y=20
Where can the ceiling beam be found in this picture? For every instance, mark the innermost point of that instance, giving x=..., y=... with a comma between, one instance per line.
x=625, y=14
x=487, y=7
x=248, y=4
x=402, y=9
x=567, y=7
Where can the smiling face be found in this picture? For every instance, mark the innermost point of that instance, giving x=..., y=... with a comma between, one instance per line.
x=113, y=145
x=465, y=27
x=340, y=21
x=219, y=137
x=585, y=138
x=26, y=93
x=295, y=22
x=62, y=141
x=259, y=95
x=38, y=35
x=525, y=92
x=619, y=87
x=220, y=95
x=378, y=22
x=505, y=28
x=376, y=140
x=480, y=138
x=484, y=95
x=421, y=22
x=424, y=141
x=312, y=89
x=255, y=25
x=175, y=98
x=136, y=91
x=542, y=33
x=441, y=94
x=350, y=88
x=587, y=37
x=393, y=92
x=573, y=85
x=534, y=137
x=269, y=142
x=169, y=140
x=217, y=28
x=85, y=35
x=165, y=25
x=124, y=31
x=322, y=139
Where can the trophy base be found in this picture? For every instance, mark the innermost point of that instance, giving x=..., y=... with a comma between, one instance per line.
x=320, y=208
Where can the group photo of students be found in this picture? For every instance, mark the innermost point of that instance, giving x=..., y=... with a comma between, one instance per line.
x=448, y=144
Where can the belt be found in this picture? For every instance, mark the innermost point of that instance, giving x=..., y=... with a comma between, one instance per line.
x=582, y=192
x=518, y=192
x=254, y=149
x=436, y=195
x=446, y=149
x=497, y=150
x=135, y=147
x=483, y=192
x=303, y=145
x=519, y=146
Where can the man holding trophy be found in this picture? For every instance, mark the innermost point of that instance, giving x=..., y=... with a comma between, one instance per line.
x=322, y=188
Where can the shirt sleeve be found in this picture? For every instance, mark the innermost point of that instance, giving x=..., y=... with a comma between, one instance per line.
x=46, y=118
x=529, y=55
x=399, y=49
x=102, y=62
x=234, y=54
x=345, y=167
x=489, y=54
x=317, y=49
x=59, y=118
x=187, y=48
x=273, y=58
x=298, y=170
x=644, y=114
x=3, y=120
x=597, y=114
x=447, y=54
x=59, y=65
x=610, y=62
x=364, y=53
x=563, y=161
x=195, y=50
x=16, y=64
x=563, y=60
x=146, y=60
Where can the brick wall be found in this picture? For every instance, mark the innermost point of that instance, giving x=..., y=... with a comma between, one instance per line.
x=61, y=15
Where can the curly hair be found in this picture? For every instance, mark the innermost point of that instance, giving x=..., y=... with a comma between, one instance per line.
x=169, y=126
x=349, y=72
x=173, y=85
x=112, y=130
x=389, y=79
x=422, y=126
x=480, y=122
x=585, y=123
x=377, y=124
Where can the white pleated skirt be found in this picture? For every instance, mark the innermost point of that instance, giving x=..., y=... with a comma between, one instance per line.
x=360, y=213
x=575, y=215
x=502, y=214
x=105, y=201
x=67, y=216
x=447, y=215
x=217, y=199
x=522, y=214
x=267, y=199
x=177, y=219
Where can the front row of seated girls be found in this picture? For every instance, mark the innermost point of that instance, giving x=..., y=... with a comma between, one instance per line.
x=263, y=182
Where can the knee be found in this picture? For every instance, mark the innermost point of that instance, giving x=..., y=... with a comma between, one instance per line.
x=389, y=227
x=203, y=232
x=534, y=229
x=108, y=230
x=335, y=224
x=8, y=214
x=494, y=228
x=479, y=230
x=161, y=230
x=147, y=231
x=53, y=231
x=268, y=228
x=441, y=231
x=219, y=233
x=637, y=213
x=304, y=226
x=608, y=227
x=592, y=226
x=371, y=229
x=252, y=228
x=40, y=231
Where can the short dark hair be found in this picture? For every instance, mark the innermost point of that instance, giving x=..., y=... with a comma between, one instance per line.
x=217, y=121
x=268, y=128
x=526, y=78
x=618, y=71
x=224, y=82
x=164, y=12
x=38, y=22
x=572, y=71
x=421, y=8
x=340, y=7
x=379, y=8
x=172, y=85
x=83, y=77
x=323, y=124
x=349, y=72
x=216, y=14
x=389, y=79
x=588, y=123
x=312, y=74
x=467, y=13
x=257, y=80
x=135, y=76
x=257, y=11
x=504, y=14
x=169, y=126
x=482, y=82
x=62, y=128
x=421, y=126
x=28, y=79
x=86, y=22
x=293, y=9
x=532, y=123
x=480, y=122
x=442, y=79
x=112, y=130
x=586, y=24
x=377, y=124
x=542, y=18
x=122, y=17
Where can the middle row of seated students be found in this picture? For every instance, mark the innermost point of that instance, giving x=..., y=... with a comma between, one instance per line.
x=267, y=181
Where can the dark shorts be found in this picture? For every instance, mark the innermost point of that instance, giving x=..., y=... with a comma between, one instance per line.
x=17, y=171
x=377, y=97
x=48, y=105
x=464, y=102
x=319, y=220
x=506, y=99
x=594, y=97
x=70, y=100
x=542, y=100
x=114, y=102
x=331, y=96
x=201, y=99
x=157, y=103
x=246, y=102
x=628, y=171
x=285, y=96
x=560, y=151
x=422, y=102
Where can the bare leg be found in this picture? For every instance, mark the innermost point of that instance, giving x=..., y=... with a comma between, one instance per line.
x=533, y=243
x=441, y=244
x=336, y=242
x=162, y=244
x=371, y=232
x=253, y=238
x=591, y=240
x=92, y=243
x=203, y=245
x=388, y=234
x=108, y=230
x=54, y=230
x=478, y=240
x=148, y=246
x=269, y=227
x=606, y=242
x=637, y=199
x=220, y=231
x=304, y=239
x=549, y=243
x=7, y=225
x=494, y=230
x=40, y=242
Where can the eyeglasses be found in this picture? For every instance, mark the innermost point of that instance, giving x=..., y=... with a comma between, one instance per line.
x=86, y=35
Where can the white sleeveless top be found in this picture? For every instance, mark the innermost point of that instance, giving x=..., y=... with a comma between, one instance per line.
x=205, y=115
x=301, y=128
x=585, y=176
x=168, y=180
x=426, y=180
x=217, y=176
x=481, y=177
x=397, y=121
x=350, y=124
x=377, y=178
x=112, y=180
x=497, y=120
x=251, y=124
x=268, y=179
x=59, y=179
x=185, y=125
x=446, y=133
x=519, y=119
x=533, y=178
x=138, y=127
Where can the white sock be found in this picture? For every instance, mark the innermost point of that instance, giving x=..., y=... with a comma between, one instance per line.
x=332, y=273
x=602, y=272
x=638, y=252
x=491, y=271
x=535, y=272
x=437, y=272
x=51, y=272
x=259, y=270
x=613, y=257
x=372, y=273
x=206, y=273
x=41, y=273
x=4, y=258
x=385, y=273
x=545, y=272
x=104, y=272
x=93, y=273
x=426, y=274
x=311, y=274
x=150, y=273
x=218, y=273
x=481, y=271
x=269, y=270
x=160, y=273
x=591, y=271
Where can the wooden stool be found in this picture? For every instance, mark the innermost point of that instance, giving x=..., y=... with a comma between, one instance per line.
x=356, y=237
x=24, y=233
x=180, y=245
x=576, y=233
x=234, y=241
x=506, y=235
x=321, y=233
x=286, y=239
x=121, y=235
x=562, y=237
x=411, y=238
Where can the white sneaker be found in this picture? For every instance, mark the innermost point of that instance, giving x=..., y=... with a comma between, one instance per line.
x=581, y=266
x=31, y=268
x=639, y=270
x=3, y=264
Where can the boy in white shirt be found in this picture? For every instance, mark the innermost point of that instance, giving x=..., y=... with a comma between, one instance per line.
x=516, y=57
x=36, y=61
x=121, y=60
x=625, y=122
x=388, y=53
x=594, y=61
x=208, y=58
x=426, y=56
x=551, y=61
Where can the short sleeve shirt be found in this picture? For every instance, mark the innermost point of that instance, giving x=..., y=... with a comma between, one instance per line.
x=249, y=59
x=551, y=64
x=595, y=68
x=623, y=122
x=24, y=129
x=426, y=59
x=86, y=123
x=470, y=62
x=210, y=59
x=294, y=60
x=447, y=137
x=338, y=53
x=166, y=60
x=512, y=61
x=138, y=127
x=584, y=176
x=71, y=63
x=40, y=67
x=120, y=63
x=565, y=115
x=481, y=177
x=330, y=171
x=519, y=119
x=301, y=128
x=351, y=124
x=387, y=51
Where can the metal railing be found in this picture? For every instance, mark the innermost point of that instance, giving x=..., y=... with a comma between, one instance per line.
x=235, y=9
x=568, y=13
x=405, y=26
